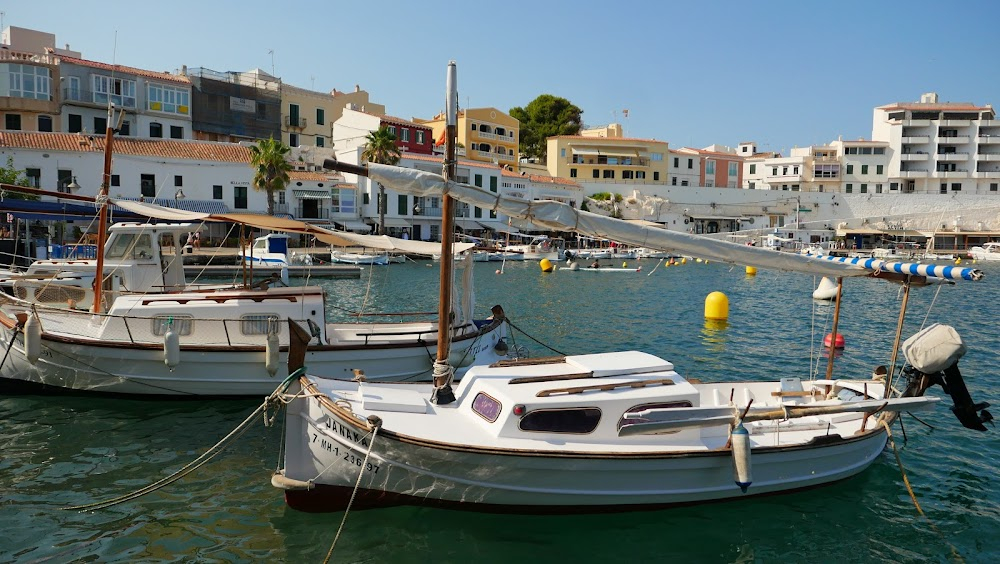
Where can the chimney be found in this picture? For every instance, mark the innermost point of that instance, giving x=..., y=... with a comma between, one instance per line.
x=357, y=88
x=929, y=98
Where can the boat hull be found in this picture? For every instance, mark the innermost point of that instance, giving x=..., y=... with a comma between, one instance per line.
x=326, y=451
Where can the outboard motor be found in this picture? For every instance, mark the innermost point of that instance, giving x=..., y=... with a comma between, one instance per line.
x=933, y=355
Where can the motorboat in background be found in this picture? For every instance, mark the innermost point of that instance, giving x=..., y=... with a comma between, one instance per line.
x=539, y=247
x=988, y=252
x=358, y=258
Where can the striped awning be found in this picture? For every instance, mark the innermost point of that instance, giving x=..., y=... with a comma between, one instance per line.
x=199, y=206
x=312, y=194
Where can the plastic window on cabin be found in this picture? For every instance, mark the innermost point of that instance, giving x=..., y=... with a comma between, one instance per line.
x=623, y=422
x=182, y=324
x=260, y=324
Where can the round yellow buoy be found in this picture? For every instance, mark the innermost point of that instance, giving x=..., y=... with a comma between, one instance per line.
x=751, y=271
x=958, y=260
x=546, y=265
x=697, y=260
x=684, y=260
x=716, y=306
x=624, y=265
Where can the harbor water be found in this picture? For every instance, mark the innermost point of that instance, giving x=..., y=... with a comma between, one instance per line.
x=62, y=451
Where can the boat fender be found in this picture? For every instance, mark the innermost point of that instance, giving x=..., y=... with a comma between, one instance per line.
x=32, y=338
x=171, y=347
x=741, y=457
x=271, y=360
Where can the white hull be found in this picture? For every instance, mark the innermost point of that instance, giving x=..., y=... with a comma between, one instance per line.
x=359, y=258
x=988, y=252
x=437, y=455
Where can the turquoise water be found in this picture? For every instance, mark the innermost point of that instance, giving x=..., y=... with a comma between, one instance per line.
x=61, y=451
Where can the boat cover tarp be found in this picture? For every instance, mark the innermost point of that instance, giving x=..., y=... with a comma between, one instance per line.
x=558, y=216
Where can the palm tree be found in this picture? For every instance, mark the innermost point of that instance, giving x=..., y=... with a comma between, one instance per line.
x=268, y=158
x=380, y=147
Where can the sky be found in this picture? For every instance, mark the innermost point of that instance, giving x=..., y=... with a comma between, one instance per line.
x=780, y=73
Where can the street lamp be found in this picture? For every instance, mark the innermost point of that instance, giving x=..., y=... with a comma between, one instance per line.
x=178, y=195
x=72, y=185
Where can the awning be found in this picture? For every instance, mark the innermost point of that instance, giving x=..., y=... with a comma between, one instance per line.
x=858, y=231
x=491, y=226
x=585, y=151
x=355, y=225
x=312, y=194
x=715, y=218
x=467, y=224
x=396, y=222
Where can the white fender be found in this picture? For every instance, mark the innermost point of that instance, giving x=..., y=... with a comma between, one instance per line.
x=284, y=274
x=741, y=457
x=271, y=360
x=32, y=338
x=171, y=348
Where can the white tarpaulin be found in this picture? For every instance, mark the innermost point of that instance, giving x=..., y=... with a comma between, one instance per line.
x=558, y=216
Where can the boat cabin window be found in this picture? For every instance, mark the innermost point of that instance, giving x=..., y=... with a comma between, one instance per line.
x=578, y=421
x=181, y=323
x=260, y=324
x=486, y=407
x=131, y=246
x=625, y=420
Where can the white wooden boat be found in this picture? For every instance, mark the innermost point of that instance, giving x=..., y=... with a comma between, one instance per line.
x=988, y=252
x=359, y=258
x=226, y=340
x=539, y=247
x=599, y=432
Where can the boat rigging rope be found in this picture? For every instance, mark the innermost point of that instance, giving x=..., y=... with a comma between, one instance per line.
x=376, y=425
x=511, y=323
x=930, y=307
x=207, y=456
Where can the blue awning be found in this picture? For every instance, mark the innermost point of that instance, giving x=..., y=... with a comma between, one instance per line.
x=199, y=206
x=57, y=211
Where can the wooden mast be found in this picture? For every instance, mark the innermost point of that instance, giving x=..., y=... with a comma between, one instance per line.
x=833, y=334
x=102, y=201
x=443, y=372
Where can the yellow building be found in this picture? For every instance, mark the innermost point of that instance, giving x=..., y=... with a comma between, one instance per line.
x=307, y=116
x=488, y=135
x=602, y=155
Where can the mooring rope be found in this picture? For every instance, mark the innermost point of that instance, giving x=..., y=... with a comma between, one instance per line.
x=954, y=551
x=211, y=453
x=357, y=485
x=511, y=323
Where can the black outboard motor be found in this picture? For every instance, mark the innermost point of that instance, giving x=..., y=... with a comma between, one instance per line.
x=933, y=354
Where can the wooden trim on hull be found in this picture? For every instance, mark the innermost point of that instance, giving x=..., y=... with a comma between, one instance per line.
x=324, y=498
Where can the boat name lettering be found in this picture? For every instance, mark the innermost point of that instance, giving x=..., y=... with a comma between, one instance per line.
x=347, y=432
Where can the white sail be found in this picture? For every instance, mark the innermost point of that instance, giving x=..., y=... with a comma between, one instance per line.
x=562, y=217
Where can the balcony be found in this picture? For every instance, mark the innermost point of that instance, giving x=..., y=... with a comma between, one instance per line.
x=96, y=98
x=421, y=211
x=916, y=140
x=953, y=156
x=960, y=173
x=484, y=135
x=956, y=122
x=989, y=157
x=295, y=122
x=280, y=208
x=986, y=174
x=8, y=55
x=914, y=174
x=916, y=123
x=490, y=156
x=989, y=138
x=308, y=212
x=959, y=140
x=914, y=157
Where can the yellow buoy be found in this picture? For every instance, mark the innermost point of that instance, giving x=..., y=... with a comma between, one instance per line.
x=684, y=260
x=624, y=265
x=697, y=260
x=546, y=265
x=751, y=271
x=958, y=260
x=716, y=306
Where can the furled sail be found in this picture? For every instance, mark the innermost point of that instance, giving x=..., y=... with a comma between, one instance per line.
x=562, y=217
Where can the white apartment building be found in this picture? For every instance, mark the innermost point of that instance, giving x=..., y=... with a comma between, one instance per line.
x=684, y=167
x=940, y=147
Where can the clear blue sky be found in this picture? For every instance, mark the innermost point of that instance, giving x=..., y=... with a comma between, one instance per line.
x=782, y=73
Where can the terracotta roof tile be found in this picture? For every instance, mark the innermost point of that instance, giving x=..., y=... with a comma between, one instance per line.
x=312, y=175
x=393, y=119
x=715, y=153
x=127, y=70
x=164, y=148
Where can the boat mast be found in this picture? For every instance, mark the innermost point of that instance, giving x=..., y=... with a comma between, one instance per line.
x=443, y=372
x=833, y=334
x=102, y=202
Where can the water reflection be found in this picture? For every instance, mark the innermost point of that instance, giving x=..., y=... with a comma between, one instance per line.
x=714, y=335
